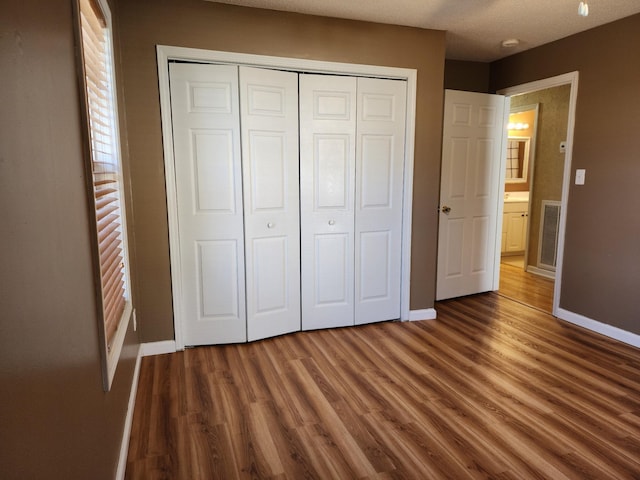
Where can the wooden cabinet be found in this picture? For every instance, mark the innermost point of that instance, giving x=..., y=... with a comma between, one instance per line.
x=514, y=227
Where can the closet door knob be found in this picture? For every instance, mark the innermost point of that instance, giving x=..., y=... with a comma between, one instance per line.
x=332, y=222
x=271, y=225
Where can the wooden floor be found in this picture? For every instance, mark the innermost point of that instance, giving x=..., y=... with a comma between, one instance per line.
x=491, y=389
x=525, y=287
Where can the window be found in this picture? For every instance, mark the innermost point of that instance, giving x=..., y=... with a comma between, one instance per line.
x=105, y=171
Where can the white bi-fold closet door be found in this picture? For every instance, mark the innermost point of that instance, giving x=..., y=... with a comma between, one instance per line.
x=248, y=199
x=351, y=178
x=237, y=193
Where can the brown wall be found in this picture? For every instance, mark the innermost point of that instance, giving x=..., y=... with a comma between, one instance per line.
x=601, y=273
x=199, y=24
x=56, y=422
x=467, y=76
x=548, y=166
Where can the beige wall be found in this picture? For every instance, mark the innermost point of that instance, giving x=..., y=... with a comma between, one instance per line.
x=199, y=24
x=601, y=274
x=548, y=166
x=56, y=422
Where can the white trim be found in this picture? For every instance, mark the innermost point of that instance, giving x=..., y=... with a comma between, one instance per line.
x=571, y=79
x=157, y=348
x=167, y=53
x=407, y=209
x=128, y=422
x=170, y=186
x=501, y=187
x=543, y=84
x=599, y=327
x=144, y=350
x=426, y=314
x=111, y=357
x=541, y=272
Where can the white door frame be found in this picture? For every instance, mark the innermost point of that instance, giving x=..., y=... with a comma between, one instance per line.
x=565, y=79
x=165, y=54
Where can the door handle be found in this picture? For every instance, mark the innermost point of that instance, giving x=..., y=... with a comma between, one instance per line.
x=332, y=222
x=446, y=209
x=271, y=225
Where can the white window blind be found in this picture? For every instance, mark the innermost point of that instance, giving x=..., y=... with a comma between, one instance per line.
x=106, y=174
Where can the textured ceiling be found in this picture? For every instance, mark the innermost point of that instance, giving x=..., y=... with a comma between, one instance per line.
x=475, y=28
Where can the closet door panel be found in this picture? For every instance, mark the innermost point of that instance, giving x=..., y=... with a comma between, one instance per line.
x=270, y=275
x=332, y=270
x=269, y=125
x=374, y=273
x=327, y=183
x=218, y=262
x=268, y=171
x=331, y=171
x=206, y=137
x=379, y=194
x=376, y=173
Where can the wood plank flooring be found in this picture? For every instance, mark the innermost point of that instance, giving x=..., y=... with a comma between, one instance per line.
x=525, y=287
x=491, y=389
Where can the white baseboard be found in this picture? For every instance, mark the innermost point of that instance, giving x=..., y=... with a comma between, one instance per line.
x=598, y=327
x=126, y=434
x=145, y=350
x=541, y=272
x=158, y=348
x=426, y=314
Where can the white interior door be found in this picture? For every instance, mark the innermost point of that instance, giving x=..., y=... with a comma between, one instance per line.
x=206, y=138
x=327, y=186
x=381, y=109
x=269, y=113
x=472, y=149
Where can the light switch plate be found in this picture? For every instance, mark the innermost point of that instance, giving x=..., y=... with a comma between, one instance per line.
x=580, y=174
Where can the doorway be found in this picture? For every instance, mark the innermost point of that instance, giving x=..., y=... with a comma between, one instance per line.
x=469, y=246
x=534, y=208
